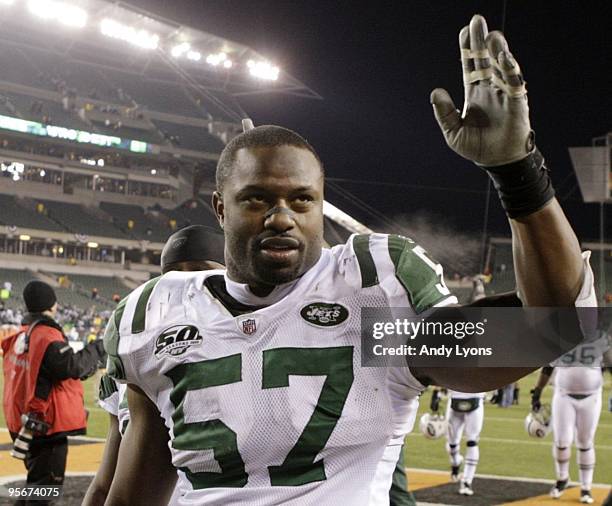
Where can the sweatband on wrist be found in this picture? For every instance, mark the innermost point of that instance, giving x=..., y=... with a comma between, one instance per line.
x=524, y=187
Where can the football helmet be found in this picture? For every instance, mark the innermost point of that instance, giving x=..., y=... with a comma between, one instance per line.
x=433, y=425
x=537, y=423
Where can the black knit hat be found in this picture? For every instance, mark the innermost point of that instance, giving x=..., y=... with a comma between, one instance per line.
x=193, y=243
x=38, y=296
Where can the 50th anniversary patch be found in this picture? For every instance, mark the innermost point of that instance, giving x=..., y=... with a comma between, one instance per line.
x=176, y=340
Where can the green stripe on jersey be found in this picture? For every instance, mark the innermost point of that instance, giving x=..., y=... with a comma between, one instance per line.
x=369, y=276
x=420, y=276
x=398, y=493
x=114, y=366
x=139, y=321
x=107, y=387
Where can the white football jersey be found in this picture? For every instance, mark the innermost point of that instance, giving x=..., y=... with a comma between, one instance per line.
x=270, y=405
x=112, y=398
x=579, y=370
x=578, y=380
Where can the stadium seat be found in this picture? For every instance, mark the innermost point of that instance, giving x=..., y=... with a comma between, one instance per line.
x=76, y=218
x=19, y=215
x=144, y=226
x=189, y=137
x=49, y=112
x=193, y=212
x=18, y=279
x=106, y=286
x=166, y=97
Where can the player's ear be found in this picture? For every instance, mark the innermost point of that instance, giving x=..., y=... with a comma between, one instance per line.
x=217, y=203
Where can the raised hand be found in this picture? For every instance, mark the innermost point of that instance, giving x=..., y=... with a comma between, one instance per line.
x=494, y=127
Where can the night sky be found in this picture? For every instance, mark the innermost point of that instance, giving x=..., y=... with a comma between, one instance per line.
x=375, y=64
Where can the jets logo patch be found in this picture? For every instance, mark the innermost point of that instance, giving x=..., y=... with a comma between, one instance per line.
x=177, y=340
x=323, y=314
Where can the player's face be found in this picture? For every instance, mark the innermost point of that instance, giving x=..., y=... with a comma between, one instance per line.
x=272, y=215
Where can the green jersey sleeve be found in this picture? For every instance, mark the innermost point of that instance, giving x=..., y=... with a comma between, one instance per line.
x=401, y=267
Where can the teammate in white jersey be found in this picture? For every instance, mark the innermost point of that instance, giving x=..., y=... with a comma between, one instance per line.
x=576, y=407
x=465, y=414
x=193, y=248
x=249, y=381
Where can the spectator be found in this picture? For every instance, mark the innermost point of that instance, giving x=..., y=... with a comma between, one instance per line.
x=6, y=291
x=42, y=384
x=4, y=295
x=507, y=396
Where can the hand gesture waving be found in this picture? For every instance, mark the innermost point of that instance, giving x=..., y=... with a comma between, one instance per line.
x=493, y=128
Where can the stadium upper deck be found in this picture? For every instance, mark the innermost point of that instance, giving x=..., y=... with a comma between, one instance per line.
x=111, y=122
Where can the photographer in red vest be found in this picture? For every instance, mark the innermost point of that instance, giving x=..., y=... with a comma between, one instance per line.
x=43, y=394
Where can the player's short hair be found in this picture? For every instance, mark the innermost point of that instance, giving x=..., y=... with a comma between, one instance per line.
x=261, y=136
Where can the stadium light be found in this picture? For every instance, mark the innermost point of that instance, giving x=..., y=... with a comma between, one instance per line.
x=69, y=15
x=92, y=244
x=180, y=49
x=215, y=59
x=140, y=38
x=228, y=64
x=24, y=237
x=43, y=172
x=184, y=48
x=15, y=169
x=194, y=55
x=263, y=70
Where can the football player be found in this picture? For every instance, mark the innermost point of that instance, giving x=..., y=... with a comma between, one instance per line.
x=465, y=413
x=576, y=407
x=249, y=382
x=189, y=249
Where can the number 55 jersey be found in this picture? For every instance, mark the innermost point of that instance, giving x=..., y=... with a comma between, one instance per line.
x=270, y=405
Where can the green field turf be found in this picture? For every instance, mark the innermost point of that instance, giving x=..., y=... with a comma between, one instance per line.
x=505, y=448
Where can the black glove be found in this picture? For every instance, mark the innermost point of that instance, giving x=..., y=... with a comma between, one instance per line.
x=535, y=399
x=96, y=359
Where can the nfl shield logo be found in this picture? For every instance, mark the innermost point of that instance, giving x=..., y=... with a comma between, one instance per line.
x=249, y=326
